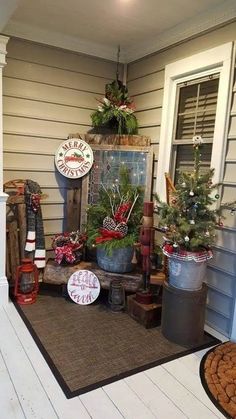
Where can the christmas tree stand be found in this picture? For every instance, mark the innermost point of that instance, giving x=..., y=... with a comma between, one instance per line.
x=183, y=314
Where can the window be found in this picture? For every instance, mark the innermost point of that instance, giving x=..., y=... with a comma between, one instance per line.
x=195, y=114
x=196, y=94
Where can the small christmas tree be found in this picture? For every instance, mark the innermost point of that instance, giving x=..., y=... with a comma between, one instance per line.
x=188, y=221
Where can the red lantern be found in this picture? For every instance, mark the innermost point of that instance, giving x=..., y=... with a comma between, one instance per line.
x=26, y=282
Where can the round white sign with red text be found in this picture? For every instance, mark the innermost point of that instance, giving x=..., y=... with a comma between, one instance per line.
x=74, y=158
x=83, y=287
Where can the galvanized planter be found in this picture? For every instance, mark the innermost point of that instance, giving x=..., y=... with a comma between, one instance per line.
x=186, y=274
x=120, y=261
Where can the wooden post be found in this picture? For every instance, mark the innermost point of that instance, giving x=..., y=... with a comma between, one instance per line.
x=13, y=248
x=18, y=202
x=8, y=269
x=21, y=210
x=73, y=206
x=146, y=238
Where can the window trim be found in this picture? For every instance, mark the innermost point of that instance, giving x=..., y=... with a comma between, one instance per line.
x=218, y=59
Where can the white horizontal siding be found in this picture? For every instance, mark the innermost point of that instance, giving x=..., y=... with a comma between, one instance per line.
x=226, y=238
x=218, y=322
x=45, y=179
x=36, y=162
x=223, y=260
x=232, y=128
x=46, y=111
x=229, y=191
x=148, y=116
x=149, y=99
x=39, y=73
x=25, y=89
x=152, y=131
x=229, y=218
x=50, y=211
x=40, y=127
x=147, y=83
x=231, y=149
x=219, y=303
x=221, y=280
x=230, y=169
x=64, y=59
x=21, y=143
x=48, y=94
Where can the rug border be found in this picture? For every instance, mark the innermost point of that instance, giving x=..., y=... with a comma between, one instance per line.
x=70, y=394
x=205, y=386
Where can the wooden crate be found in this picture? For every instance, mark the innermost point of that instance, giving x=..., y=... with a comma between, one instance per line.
x=149, y=315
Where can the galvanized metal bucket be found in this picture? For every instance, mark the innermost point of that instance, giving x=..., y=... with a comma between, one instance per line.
x=186, y=274
x=119, y=262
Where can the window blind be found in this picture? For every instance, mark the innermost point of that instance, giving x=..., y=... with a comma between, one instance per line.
x=197, y=108
x=195, y=115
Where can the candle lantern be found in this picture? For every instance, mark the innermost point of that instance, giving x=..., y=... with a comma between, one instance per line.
x=116, y=297
x=26, y=282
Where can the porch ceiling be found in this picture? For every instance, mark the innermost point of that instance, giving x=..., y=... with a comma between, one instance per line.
x=96, y=27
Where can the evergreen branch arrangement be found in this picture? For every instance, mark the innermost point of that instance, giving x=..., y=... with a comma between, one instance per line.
x=189, y=222
x=114, y=221
x=116, y=110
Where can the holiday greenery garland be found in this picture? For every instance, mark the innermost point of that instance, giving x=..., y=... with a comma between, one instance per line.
x=189, y=222
x=114, y=222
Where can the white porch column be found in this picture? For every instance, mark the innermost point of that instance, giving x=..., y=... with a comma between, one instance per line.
x=3, y=280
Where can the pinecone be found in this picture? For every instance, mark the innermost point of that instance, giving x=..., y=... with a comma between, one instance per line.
x=109, y=223
x=122, y=228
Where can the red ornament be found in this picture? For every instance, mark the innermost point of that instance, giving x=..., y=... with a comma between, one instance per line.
x=26, y=282
x=173, y=201
x=169, y=248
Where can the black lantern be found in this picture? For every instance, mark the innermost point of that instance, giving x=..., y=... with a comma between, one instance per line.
x=116, y=297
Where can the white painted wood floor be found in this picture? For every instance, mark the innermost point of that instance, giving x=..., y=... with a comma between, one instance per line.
x=29, y=390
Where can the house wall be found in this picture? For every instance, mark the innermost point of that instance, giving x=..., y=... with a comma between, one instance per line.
x=48, y=94
x=146, y=84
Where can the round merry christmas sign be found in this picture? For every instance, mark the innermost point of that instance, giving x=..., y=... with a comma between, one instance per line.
x=74, y=158
x=83, y=287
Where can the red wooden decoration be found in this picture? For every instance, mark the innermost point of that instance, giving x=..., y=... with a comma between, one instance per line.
x=26, y=282
x=146, y=239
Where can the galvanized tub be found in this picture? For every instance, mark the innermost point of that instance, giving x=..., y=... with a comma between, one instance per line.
x=186, y=274
x=119, y=262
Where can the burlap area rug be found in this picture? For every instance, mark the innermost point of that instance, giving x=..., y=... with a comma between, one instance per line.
x=89, y=346
x=218, y=375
